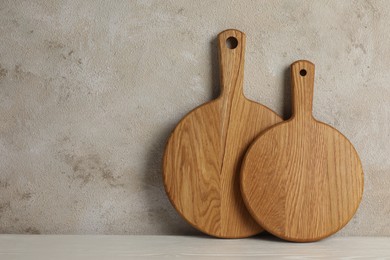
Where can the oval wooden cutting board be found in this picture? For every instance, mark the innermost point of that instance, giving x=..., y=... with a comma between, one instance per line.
x=203, y=155
x=302, y=180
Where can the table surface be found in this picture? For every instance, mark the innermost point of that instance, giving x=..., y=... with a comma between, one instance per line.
x=187, y=247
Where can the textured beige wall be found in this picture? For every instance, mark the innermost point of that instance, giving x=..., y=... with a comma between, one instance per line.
x=90, y=90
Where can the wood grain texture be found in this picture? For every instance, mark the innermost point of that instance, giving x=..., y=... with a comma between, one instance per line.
x=302, y=180
x=203, y=155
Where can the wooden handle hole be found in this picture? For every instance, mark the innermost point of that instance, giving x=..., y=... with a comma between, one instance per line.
x=303, y=72
x=231, y=42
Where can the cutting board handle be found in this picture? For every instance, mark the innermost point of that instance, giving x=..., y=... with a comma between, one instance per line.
x=231, y=45
x=302, y=75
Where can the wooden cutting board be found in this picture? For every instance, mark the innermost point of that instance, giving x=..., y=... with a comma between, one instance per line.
x=203, y=155
x=302, y=180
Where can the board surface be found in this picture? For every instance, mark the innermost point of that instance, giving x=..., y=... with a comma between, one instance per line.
x=202, y=158
x=302, y=180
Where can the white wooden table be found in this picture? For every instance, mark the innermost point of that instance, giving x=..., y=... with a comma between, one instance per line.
x=185, y=247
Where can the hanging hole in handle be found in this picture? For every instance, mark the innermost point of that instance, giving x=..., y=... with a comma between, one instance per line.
x=231, y=42
x=303, y=72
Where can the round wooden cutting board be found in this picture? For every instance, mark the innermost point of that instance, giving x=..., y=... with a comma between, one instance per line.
x=302, y=180
x=203, y=155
